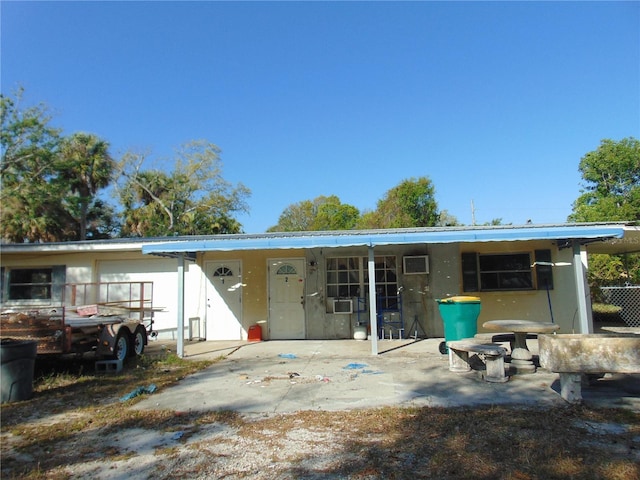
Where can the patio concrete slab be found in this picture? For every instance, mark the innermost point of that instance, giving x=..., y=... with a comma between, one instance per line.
x=288, y=376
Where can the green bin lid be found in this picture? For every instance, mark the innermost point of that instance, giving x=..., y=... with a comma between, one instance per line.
x=460, y=299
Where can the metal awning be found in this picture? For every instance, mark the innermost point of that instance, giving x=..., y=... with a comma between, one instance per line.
x=628, y=243
x=615, y=234
x=568, y=235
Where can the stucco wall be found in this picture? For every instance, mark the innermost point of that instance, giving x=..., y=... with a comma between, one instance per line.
x=531, y=304
x=445, y=282
x=255, y=297
x=416, y=293
x=419, y=291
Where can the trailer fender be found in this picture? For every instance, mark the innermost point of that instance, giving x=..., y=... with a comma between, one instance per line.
x=108, y=336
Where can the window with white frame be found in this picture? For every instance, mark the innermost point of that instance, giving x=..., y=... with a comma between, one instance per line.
x=343, y=277
x=348, y=277
x=386, y=274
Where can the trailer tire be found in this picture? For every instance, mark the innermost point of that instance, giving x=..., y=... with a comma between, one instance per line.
x=122, y=346
x=139, y=341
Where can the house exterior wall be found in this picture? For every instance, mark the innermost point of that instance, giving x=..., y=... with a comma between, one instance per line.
x=138, y=268
x=530, y=304
x=255, y=290
x=419, y=291
x=79, y=268
x=319, y=323
x=121, y=266
x=445, y=282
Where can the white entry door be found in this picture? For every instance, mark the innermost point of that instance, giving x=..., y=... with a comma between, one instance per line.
x=224, y=301
x=286, y=299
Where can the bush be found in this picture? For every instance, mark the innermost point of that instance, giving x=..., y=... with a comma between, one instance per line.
x=604, y=312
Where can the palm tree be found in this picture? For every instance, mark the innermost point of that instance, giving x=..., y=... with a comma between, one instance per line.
x=87, y=167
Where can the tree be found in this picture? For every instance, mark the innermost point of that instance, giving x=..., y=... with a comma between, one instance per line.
x=611, y=192
x=85, y=168
x=49, y=183
x=297, y=217
x=409, y=204
x=193, y=199
x=31, y=200
x=334, y=215
x=445, y=219
x=611, y=183
x=28, y=141
x=101, y=221
x=321, y=213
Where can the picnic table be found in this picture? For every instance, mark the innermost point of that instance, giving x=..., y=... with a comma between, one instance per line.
x=521, y=357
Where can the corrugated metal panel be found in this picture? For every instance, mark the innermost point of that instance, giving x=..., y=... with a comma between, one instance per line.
x=384, y=237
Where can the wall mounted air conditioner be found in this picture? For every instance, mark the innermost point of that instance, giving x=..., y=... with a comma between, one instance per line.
x=416, y=265
x=343, y=306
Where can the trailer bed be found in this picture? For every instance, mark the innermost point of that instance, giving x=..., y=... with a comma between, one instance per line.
x=55, y=332
x=79, y=327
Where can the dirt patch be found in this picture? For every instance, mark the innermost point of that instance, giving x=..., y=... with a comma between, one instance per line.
x=77, y=427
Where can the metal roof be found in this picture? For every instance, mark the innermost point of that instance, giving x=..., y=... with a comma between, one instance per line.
x=351, y=238
x=609, y=237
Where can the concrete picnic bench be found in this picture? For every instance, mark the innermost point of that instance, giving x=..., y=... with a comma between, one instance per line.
x=574, y=356
x=521, y=357
x=491, y=354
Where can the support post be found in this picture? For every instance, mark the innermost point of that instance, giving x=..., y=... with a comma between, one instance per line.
x=582, y=290
x=373, y=308
x=180, y=346
x=571, y=387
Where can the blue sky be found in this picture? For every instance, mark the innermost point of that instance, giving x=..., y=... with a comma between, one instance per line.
x=496, y=102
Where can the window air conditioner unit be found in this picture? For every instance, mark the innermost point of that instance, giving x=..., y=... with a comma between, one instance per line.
x=343, y=306
x=416, y=265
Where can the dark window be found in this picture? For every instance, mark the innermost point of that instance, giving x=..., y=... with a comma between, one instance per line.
x=470, y=272
x=30, y=284
x=43, y=283
x=487, y=272
x=505, y=272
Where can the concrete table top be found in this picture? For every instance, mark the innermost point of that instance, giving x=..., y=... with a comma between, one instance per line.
x=521, y=326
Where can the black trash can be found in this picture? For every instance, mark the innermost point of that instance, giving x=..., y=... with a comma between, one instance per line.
x=460, y=318
x=17, y=361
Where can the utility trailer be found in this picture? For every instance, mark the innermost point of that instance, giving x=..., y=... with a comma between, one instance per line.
x=113, y=320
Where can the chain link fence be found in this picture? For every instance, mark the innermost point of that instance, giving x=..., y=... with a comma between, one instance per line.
x=628, y=299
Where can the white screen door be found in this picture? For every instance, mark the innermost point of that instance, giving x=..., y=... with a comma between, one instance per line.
x=224, y=301
x=286, y=299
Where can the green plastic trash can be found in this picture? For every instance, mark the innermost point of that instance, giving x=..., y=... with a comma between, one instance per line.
x=17, y=361
x=460, y=318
